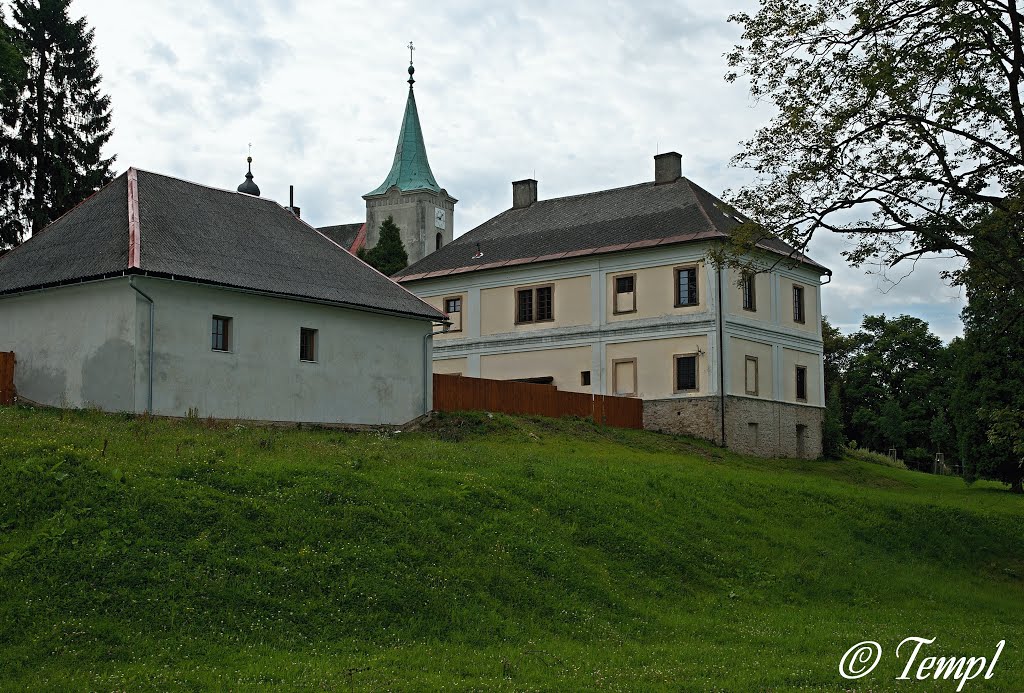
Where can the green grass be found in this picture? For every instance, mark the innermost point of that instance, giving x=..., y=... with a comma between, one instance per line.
x=482, y=554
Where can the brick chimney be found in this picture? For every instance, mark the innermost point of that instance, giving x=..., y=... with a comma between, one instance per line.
x=668, y=168
x=524, y=193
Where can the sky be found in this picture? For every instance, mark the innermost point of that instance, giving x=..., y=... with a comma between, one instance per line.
x=575, y=93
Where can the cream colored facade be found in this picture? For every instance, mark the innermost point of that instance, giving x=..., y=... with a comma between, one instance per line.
x=617, y=327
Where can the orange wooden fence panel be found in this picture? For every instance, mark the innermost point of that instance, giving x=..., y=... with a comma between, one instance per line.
x=6, y=377
x=459, y=393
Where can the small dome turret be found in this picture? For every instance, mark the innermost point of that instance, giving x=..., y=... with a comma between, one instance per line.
x=248, y=186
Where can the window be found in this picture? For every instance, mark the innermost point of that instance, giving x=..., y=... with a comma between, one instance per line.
x=686, y=372
x=750, y=376
x=438, y=241
x=686, y=286
x=625, y=294
x=453, y=308
x=221, y=333
x=798, y=304
x=307, y=344
x=801, y=383
x=535, y=304
x=624, y=377
x=584, y=377
x=749, y=292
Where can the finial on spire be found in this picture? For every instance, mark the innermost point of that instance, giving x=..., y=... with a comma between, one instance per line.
x=411, y=68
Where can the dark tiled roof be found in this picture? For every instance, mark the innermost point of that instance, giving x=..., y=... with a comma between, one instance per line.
x=203, y=234
x=89, y=241
x=342, y=234
x=636, y=216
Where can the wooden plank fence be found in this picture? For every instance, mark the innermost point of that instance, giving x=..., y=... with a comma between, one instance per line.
x=460, y=393
x=6, y=378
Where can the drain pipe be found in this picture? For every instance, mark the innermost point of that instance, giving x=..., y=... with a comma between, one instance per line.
x=721, y=354
x=152, y=311
x=428, y=354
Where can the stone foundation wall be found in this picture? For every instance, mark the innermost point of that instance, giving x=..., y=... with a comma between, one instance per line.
x=752, y=426
x=690, y=416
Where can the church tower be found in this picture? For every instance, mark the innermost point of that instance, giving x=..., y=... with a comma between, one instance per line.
x=421, y=208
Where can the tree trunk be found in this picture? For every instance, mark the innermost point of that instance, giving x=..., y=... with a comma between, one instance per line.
x=1017, y=486
x=39, y=188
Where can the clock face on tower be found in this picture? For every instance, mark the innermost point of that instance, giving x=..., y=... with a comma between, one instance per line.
x=438, y=217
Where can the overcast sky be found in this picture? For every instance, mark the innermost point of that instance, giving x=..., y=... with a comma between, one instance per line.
x=576, y=93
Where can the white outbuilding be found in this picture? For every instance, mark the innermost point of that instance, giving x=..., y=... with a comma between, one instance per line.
x=161, y=295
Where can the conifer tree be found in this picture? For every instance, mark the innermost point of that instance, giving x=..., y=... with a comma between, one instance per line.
x=63, y=120
x=12, y=76
x=388, y=256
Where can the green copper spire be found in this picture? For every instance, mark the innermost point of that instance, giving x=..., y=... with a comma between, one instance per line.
x=410, y=170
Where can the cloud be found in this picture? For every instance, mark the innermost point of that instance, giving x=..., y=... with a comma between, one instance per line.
x=576, y=94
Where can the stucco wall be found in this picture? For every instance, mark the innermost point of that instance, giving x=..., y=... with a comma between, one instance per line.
x=656, y=292
x=74, y=345
x=739, y=350
x=762, y=296
x=791, y=358
x=460, y=324
x=812, y=320
x=451, y=366
x=654, y=364
x=564, y=365
x=571, y=306
x=369, y=367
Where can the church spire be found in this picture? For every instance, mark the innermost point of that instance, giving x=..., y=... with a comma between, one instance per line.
x=410, y=169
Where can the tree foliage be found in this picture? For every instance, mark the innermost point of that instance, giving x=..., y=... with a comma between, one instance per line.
x=388, y=256
x=899, y=123
x=60, y=120
x=988, y=398
x=12, y=76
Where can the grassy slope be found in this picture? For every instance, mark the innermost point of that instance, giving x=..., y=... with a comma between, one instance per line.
x=486, y=554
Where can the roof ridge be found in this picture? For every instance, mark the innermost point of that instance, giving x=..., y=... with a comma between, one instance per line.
x=690, y=184
x=208, y=187
x=588, y=194
x=134, y=227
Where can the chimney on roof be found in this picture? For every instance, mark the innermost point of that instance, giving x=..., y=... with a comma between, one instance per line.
x=668, y=168
x=291, y=203
x=524, y=193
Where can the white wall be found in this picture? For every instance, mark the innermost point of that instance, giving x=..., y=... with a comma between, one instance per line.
x=74, y=345
x=369, y=367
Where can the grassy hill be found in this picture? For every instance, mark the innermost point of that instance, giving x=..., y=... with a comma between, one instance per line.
x=484, y=553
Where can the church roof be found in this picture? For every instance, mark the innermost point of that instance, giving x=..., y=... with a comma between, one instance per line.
x=410, y=170
x=636, y=216
x=150, y=224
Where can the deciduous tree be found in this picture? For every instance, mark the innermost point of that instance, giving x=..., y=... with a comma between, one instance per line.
x=899, y=123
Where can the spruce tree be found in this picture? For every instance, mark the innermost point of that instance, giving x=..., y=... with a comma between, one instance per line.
x=12, y=77
x=389, y=255
x=63, y=119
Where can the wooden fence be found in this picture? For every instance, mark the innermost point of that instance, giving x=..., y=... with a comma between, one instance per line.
x=6, y=377
x=459, y=393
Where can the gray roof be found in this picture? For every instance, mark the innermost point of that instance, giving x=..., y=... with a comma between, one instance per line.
x=342, y=234
x=636, y=216
x=194, y=232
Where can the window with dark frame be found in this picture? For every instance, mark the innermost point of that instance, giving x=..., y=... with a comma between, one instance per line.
x=307, y=344
x=453, y=305
x=221, y=333
x=801, y=383
x=686, y=287
x=584, y=378
x=535, y=304
x=625, y=294
x=798, y=304
x=686, y=372
x=749, y=292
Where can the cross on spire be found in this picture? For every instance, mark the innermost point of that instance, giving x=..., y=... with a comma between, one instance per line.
x=411, y=68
